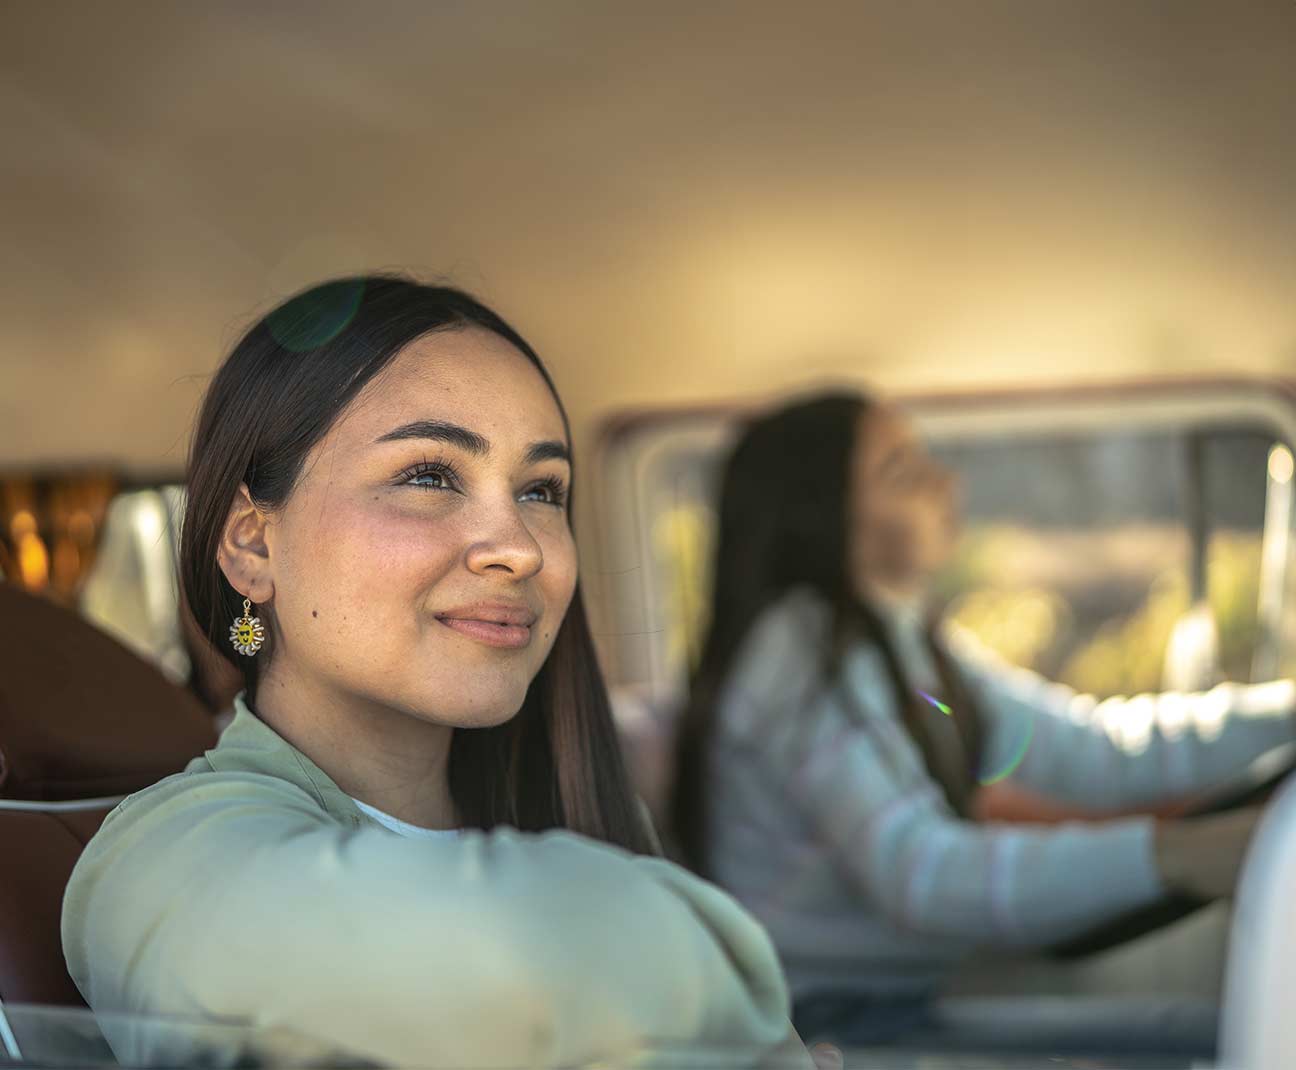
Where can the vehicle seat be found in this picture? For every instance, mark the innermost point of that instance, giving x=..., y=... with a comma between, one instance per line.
x=646, y=727
x=83, y=722
x=1258, y=1031
x=40, y=842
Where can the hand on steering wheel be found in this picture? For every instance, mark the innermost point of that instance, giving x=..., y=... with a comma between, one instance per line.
x=1240, y=795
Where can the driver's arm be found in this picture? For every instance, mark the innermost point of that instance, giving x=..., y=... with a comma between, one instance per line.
x=845, y=761
x=232, y=894
x=859, y=783
x=1120, y=753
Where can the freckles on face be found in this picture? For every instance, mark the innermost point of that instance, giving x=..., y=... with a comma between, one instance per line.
x=359, y=558
x=393, y=531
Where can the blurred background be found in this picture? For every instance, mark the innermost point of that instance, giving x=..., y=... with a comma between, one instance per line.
x=1062, y=233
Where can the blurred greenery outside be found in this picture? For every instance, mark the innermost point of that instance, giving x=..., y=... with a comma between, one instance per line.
x=1039, y=626
x=1092, y=609
x=682, y=544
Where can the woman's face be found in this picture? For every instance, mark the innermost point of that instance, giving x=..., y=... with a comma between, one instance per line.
x=424, y=561
x=904, y=509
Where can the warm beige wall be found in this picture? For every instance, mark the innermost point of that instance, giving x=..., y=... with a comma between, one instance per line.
x=673, y=204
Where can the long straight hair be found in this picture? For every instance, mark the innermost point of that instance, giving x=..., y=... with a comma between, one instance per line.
x=784, y=522
x=557, y=763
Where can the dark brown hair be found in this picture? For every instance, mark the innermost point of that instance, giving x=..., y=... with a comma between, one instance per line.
x=557, y=763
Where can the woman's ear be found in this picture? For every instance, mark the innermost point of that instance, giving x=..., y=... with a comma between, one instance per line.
x=243, y=553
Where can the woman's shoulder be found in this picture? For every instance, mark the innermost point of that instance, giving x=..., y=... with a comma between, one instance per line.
x=249, y=760
x=799, y=617
x=783, y=649
x=790, y=648
x=200, y=792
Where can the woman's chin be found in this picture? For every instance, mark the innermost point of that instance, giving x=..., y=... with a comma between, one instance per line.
x=487, y=712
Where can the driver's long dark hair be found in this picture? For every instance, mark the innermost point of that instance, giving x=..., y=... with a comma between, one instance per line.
x=784, y=522
x=556, y=764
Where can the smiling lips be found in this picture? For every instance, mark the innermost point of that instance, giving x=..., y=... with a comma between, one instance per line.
x=494, y=624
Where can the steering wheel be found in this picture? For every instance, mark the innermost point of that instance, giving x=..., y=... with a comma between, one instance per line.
x=1251, y=786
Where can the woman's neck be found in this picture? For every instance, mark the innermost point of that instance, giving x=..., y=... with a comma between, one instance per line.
x=391, y=760
x=896, y=598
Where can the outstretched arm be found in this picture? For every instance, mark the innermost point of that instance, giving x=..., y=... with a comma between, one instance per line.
x=1121, y=753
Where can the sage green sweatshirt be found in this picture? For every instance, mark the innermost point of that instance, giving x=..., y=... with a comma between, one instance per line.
x=250, y=886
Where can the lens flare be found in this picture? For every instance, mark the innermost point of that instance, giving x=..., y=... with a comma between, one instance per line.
x=317, y=316
x=1011, y=765
x=937, y=703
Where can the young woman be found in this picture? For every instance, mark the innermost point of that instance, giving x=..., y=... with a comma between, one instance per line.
x=832, y=754
x=378, y=532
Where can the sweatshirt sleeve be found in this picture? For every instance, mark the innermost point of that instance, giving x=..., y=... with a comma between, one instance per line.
x=1120, y=752
x=233, y=895
x=850, y=769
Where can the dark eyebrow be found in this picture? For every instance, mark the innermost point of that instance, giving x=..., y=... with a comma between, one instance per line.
x=440, y=431
x=547, y=451
x=471, y=441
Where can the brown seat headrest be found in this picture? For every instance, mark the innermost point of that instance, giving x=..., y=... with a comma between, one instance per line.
x=80, y=715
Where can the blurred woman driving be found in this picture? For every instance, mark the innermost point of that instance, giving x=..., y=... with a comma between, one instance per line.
x=833, y=753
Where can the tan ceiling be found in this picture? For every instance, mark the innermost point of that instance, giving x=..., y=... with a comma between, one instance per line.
x=674, y=202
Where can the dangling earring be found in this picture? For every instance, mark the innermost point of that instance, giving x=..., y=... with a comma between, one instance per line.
x=247, y=633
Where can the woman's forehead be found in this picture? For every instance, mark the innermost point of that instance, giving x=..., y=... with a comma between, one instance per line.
x=884, y=427
x=470, y=377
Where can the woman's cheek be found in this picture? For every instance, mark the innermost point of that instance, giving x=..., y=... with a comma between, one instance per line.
x=371, y=551
x=565, y=571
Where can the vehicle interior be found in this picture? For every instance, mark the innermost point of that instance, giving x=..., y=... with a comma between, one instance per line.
x=1057, y=236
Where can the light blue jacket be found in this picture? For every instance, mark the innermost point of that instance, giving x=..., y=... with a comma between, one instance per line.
x=827, y=826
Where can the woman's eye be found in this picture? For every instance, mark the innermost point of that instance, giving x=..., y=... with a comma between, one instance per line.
x=551, y=492
x=432, y=477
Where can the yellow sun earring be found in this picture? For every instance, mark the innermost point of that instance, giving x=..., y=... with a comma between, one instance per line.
x=247, y=633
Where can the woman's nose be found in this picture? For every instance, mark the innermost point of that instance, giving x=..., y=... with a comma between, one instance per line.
x=501, y=541
x=938, y=478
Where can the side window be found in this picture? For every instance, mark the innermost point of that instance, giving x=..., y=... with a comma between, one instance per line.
x=1120, y=562
x=682, y=540
x=132, y=591
x=660, y=488
x=107, y=550
x=1115, y=561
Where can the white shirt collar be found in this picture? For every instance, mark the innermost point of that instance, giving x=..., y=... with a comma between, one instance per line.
x=403, y=828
